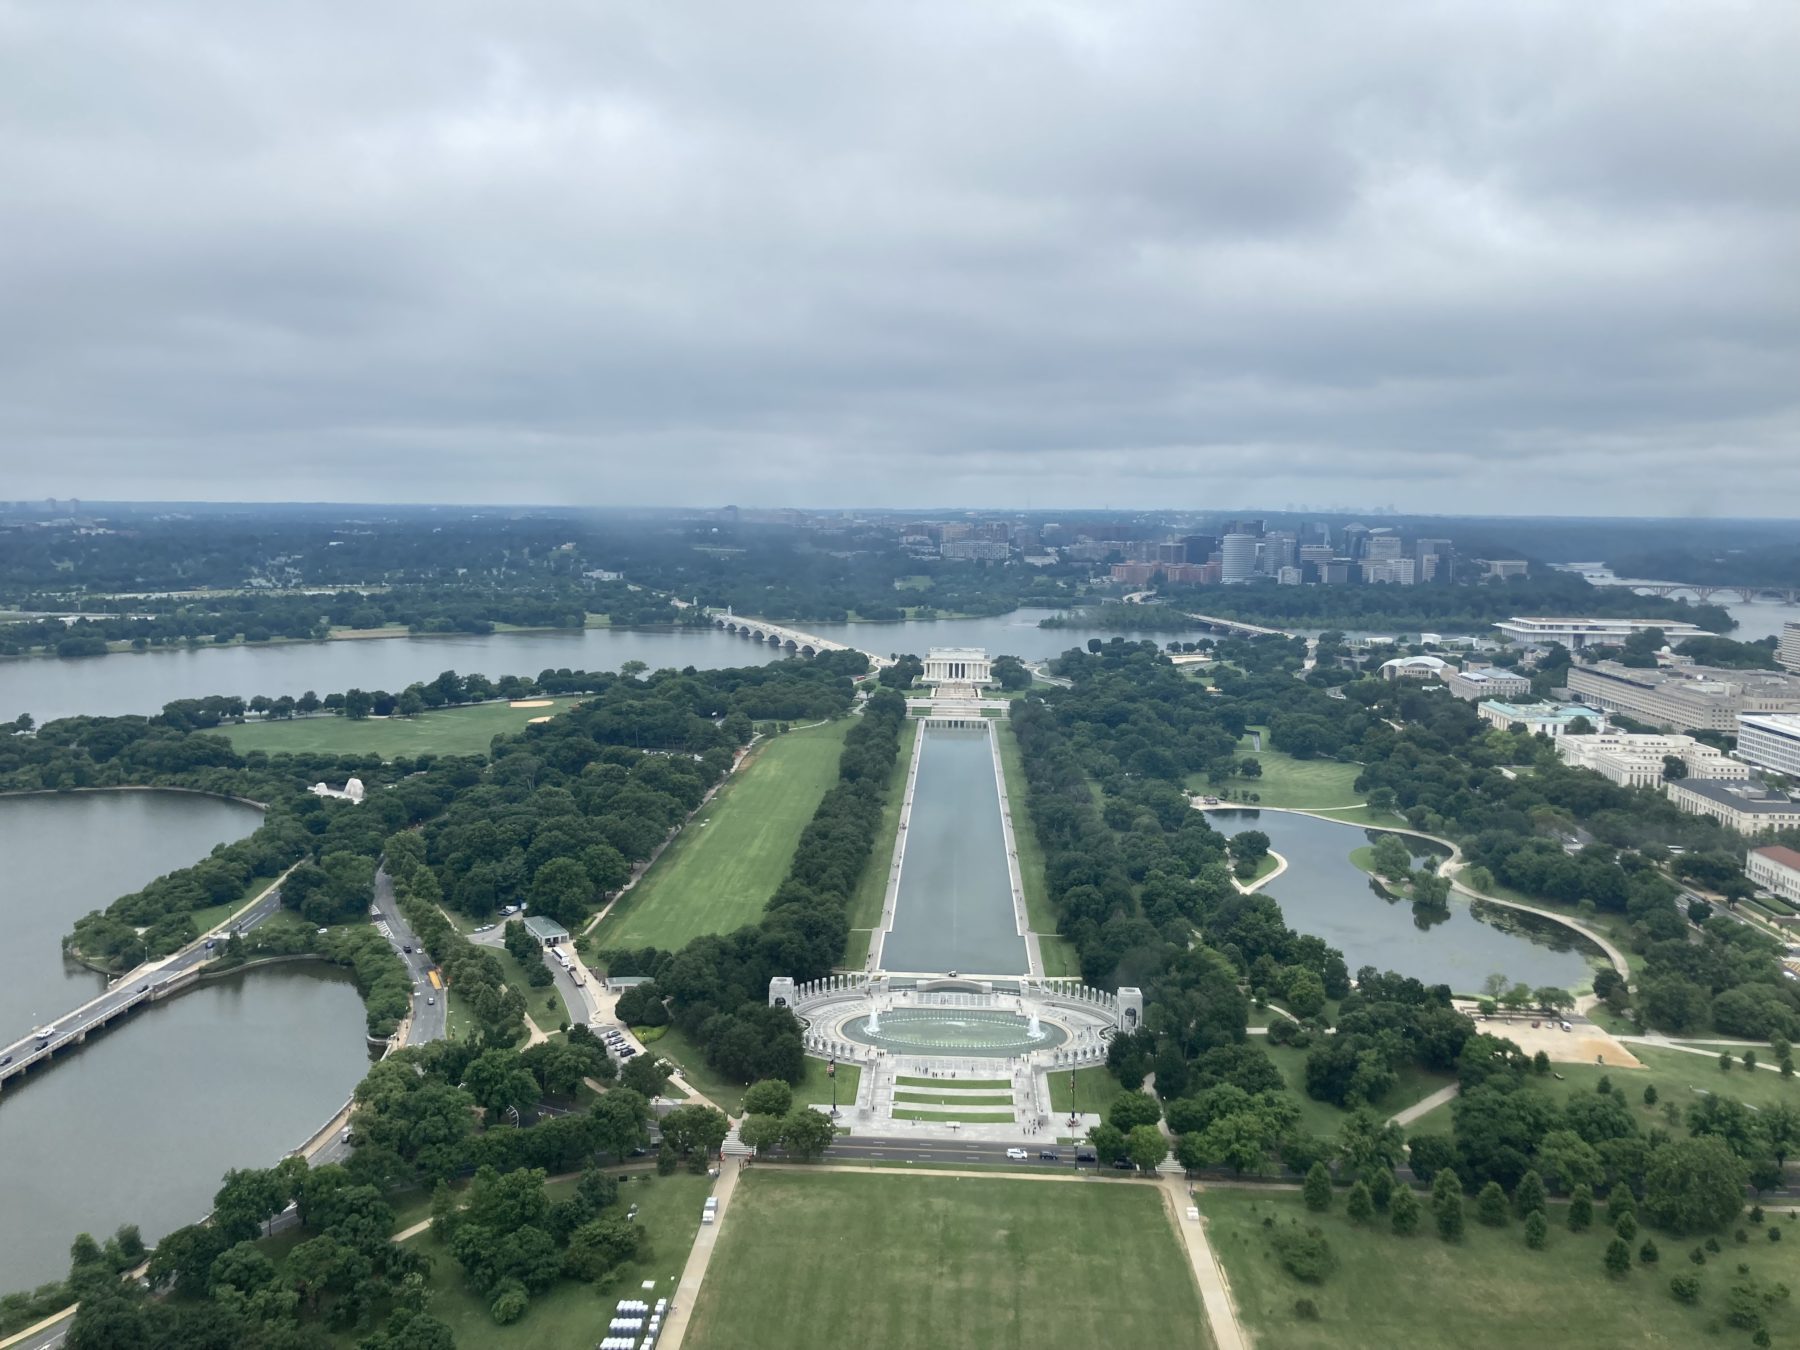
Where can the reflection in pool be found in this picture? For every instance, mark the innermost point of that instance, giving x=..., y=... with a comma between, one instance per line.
x=953, y=1031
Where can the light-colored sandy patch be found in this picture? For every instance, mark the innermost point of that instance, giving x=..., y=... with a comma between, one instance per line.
x=532, y=703
x=1586, y=1044
x=533, y=721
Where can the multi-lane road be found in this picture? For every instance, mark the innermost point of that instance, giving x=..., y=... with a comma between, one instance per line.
x=129, y=990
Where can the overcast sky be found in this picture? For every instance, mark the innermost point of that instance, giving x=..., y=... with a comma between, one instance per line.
x=1509, y=257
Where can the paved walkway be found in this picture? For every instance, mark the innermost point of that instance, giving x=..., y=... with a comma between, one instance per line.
x=687, y=1290
x=1425, y=1105
x=1215, y=1290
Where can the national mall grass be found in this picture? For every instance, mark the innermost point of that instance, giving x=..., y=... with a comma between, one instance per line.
x=728, y=860
x=1488, y=1292
x=1307, y=784
x=453, y=731
x=823, y=1260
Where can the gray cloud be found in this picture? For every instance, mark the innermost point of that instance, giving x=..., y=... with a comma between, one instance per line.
x=1519, y=258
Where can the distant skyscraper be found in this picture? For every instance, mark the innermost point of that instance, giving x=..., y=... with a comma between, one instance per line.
x=1238, y=558
x=1383, y=546
x=1354, y=539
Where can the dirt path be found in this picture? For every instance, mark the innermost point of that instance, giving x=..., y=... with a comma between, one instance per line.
x=1424, y=1106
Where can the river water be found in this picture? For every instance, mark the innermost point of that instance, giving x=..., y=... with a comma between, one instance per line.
x=141, y=682
x=954, y=910
x=1324, y=893
x=139, y=1124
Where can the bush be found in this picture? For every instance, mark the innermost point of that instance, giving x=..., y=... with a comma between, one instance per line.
x=1318, y=1188
x=1403, y=1211
x=1306, y=1310
x=1361, y=1205
x=1618, y=1258
x=1304, y=1253
x=1581, y=1209
x=1647, y=1254
x=1381, y=1188
x=510, y=1303
x=1685, y=1288
x=1537, y=1230
x=1626, y=1227
x=1490, y=1206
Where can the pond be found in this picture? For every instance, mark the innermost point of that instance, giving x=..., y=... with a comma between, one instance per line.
x=1324, y=893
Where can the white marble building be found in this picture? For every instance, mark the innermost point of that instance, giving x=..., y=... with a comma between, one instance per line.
x=958, y=665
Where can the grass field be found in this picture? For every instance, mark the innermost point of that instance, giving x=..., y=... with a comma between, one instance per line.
x=871, y=890
x=974, y=1115
x=907, y=1080
x=1489, y=1292
x=944, y=1263
x=1286, y=781
x=1060, y=958
x=1091, y=1089
x=453, y=731
x=572, y=1313
x=922, y=1097
x=1676, y=1075
x=727, y=861
x=815, y=1088
x=1324, y=1119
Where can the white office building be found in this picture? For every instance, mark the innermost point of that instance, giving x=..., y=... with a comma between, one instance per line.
x=1685, y=698
x=1578, y=633
x=1237, y=558
x=1775, y=869
x=1770, y=741
x=1632, y=760
x=1747, y=807
x=1475, y=683
x=1789, y=654
x=1540, y=719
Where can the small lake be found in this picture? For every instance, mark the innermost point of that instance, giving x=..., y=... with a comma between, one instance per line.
x=142, y=682
x=138, y=1125
x=68, y=853
x=1324, y=893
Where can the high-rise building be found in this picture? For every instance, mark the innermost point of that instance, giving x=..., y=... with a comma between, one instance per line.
x=1281, y=548
x=1789, y=655
x=1175, y=552
x=1383, y=545
x=1200, y=547
x=1238, y=560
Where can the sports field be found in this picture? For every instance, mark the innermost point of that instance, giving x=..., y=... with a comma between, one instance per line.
x=728, y=860
x=812, y=1260
x=1488, y=1292
x=452, y=731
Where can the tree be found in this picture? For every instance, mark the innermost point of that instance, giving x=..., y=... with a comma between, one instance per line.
x=1694, y=1185
x=646, y=1074
x=1537, y=1230
x=1581, y=1209
x=760, y=1132
x=1367, y=1143
x=1618, y=1259
x=1685, y=1288
x=1108, y=1142
x=1447, y=1205
x=770, y=1097
x=1403, y=1211
x=695, y=1129
x=1361, y=1204
x=603, y=1244
x=1318, y=1188
x=1131, y=1109
x=1146, y=1147
x=621, y=1121
x=1391, y=858
x=1529, y=1194
x=497, y=1079
x=1490, y=1206
x=806, y=1133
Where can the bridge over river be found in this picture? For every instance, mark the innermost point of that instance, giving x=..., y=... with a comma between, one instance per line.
x=791, y=639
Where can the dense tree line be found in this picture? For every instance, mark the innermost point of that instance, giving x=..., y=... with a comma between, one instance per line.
x=717, y=986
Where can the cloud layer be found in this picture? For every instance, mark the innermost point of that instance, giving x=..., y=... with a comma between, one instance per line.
x=1533, y=257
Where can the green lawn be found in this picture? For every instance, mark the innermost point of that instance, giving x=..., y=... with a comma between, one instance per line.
x=1489, y=1292
x=871, y=890
x=975, y=1115
x=727, y=861
x=1091, y=1089
x=920, y=1097
x=571, y=1313
x=1286, y=781
x=453, y=731
x=1324, y=1119
x=944, y=1263
x=1059, y=954
x=908, y=1080
x=1677, y=1076
x=674, y=1045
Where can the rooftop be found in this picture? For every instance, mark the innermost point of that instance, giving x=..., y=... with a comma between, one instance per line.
x=1542, y=712
x=545, y=930
x=1777, y=853
x=1740, y=796
x=1785, y=724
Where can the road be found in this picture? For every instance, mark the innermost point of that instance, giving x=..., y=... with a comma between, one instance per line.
x=135, y=987
x=428, y=1010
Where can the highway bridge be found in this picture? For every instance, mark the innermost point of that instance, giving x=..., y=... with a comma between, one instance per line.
x=789, y=639
x=149, y=983
x=1237, y=627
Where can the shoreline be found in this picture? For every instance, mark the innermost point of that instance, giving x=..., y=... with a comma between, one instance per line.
x=137, y=787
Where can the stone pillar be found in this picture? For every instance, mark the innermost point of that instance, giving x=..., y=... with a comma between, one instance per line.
x=781, y=992
x=1131, y=1008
